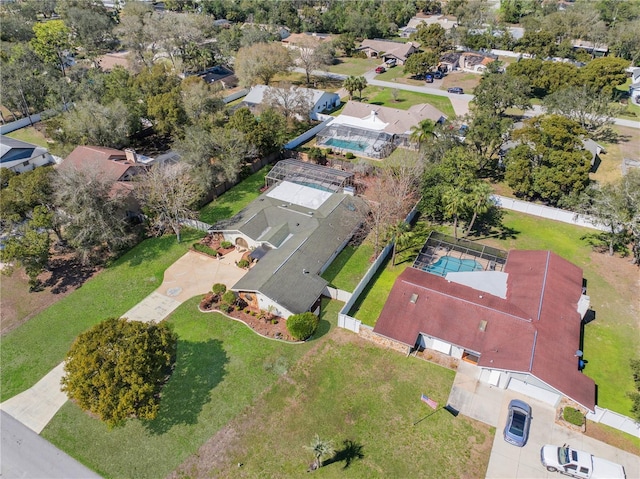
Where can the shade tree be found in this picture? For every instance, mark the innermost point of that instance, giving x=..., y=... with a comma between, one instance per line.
x=421, y=63
x=261, y=62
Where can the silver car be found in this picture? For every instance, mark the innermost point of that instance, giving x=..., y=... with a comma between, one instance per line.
x=516, y=431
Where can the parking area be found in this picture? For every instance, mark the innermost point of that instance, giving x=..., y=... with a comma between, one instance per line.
x=489, y=404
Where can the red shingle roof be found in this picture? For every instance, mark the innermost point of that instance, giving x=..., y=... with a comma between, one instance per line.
x=535, y=330
x=98, y=159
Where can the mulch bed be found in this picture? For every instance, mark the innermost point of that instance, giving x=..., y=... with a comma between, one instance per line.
x=261, y=326
x=214, y=241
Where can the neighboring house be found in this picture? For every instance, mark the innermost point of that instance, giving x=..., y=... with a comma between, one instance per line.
x=20, y=156
x=219, y=75
x=475, y=61
x=279, y=31
x=307, y=40
x=317, y=100
x=389, y=50
x=449, y=61
x=634, y=88
x=519, y=317
x=374, y=131
x=598, y=50
x=294, y=230
x=110, y=164
x=446, y=22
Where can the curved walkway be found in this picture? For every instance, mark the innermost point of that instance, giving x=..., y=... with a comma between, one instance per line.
x=191, y=275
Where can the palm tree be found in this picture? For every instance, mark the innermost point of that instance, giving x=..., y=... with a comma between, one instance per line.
x=423, y=131
x=454, y=201
x=480, y=201
x=320, y=448
x=350, y=84
x=401, y=233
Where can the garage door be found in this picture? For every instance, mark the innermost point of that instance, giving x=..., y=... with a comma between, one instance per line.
x=534, y=392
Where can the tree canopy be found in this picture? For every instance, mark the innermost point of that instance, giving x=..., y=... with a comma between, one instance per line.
x=117, y=369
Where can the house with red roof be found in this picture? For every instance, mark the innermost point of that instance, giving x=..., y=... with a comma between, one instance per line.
x=520, y=323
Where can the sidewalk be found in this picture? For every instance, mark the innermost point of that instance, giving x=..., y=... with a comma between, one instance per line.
x=192, y=275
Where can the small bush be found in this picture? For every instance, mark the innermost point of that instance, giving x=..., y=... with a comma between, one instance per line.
x=302, y=326
x=219, y=288
x=225, y=308
x=316, y=155
x=243, y=263
x=573, y=416
x=329, y=151
x=226, y=244
x=205, y=249
x=229, y=298
x=350, y=156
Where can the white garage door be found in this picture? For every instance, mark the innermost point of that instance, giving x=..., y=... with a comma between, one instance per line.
x=534, y=392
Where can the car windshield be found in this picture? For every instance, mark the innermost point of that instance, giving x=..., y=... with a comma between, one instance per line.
x=517, y=424
x=563, y=455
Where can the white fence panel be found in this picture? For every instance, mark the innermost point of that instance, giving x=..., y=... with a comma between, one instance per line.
x=235, y=96
x=338, y=294
x=615, y=420
x=307, y=135
x=347, y=322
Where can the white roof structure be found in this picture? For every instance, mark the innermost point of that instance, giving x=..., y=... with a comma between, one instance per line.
x=256, y=95
x=305, y=196
x=492, y=282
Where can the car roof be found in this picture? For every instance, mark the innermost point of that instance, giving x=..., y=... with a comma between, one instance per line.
x=517, y=403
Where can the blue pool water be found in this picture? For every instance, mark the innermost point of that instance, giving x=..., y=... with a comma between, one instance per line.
x=449, y=264
x=347, y=144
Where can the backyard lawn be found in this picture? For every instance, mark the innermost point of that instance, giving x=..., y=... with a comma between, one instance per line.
x=236, y=198
x=354, y=66
x=349, y=267
x=405, y=99
x=30, y=135
x=40, y=344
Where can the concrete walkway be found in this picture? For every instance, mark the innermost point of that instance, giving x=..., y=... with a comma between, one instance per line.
x=192, y=275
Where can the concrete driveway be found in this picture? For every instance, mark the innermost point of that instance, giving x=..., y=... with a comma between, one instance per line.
x=192, y=275
x=489, y=404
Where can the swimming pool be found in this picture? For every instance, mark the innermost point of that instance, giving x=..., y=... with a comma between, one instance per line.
x=347, y=144
x=449, y=264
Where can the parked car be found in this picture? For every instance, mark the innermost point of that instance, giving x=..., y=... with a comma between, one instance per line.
x=391, y=62
x=579, y=464
x=455, y=89
x=516, y=431
x=438, y=75
x=428, y=78
x=381, y=69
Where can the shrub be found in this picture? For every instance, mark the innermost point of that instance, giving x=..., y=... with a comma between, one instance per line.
x=350, y=156
x=205, y=249
x=316, y=155
x=226, y=244
x=329, y=151
x=229, y=298
x=225, y=308
x=302, y=326
x=243, y=263
x=219, y=288
x=573, y=416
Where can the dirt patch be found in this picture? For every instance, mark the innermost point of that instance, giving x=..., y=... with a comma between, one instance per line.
x=18, y=304
x=467, y=81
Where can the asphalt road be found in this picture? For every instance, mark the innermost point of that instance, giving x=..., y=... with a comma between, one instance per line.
x=24, y=454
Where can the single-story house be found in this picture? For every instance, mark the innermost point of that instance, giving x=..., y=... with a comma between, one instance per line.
x=295, y=230
x=446, y=22
x=219, y=75
x=599, y=50
x=521, y=324
x=634, y=88
x=449, y=61
x=317, y=100
x=279, y=31
x=374, y=131
x=475, y=61
x=20, y=156
x=309, y=40
x=389, y=50
x=110, y=164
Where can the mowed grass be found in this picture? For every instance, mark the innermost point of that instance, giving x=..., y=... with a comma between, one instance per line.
x=236, y=198
x=33, y=349
x=354, y=66
x=30, y=135
x=349, y=267
x=406, y=99
x=612, y=339
x=221, y=368
x=366, y=400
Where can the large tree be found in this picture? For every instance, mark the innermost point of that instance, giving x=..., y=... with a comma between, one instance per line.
x=91, y=25
x=117, y=369
x=433, y=37
x=498, y=92
x=168, y=195
x=91, y=123
x=92, y=211
x=51, y=41
x=293, y=102
x=604, y=74
x=312, y=55
x=421, y=63
x=261, y=62
x=355, y=83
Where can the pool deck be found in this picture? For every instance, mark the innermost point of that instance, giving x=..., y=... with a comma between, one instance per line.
x=433, y=255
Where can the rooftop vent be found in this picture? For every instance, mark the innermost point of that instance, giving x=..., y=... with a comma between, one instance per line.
x=414, y=298
x=483, y=325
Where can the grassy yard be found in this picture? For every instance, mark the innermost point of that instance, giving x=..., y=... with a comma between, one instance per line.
x=221, y=368
x=349, y=267
x=30, y=135
x=233, y=200
x=405, y=99
x=36, y=347
x=611, y=340
x=354, y=66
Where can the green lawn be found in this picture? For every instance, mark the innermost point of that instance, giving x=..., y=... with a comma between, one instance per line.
x=366, y=400
x=233, y=200
x=221, y=368
x=611, y=340
x=354, y=66
x=40, y=344
x=405, y=99
x=30, y=135
x=349, y=267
